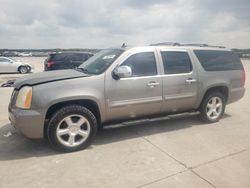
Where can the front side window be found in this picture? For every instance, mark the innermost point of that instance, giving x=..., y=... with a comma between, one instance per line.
x=176, y=62
x=142, y=64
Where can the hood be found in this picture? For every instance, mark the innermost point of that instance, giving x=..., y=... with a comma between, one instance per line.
x=50, y=76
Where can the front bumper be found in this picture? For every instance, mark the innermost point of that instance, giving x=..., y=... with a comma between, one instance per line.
x=29, y=122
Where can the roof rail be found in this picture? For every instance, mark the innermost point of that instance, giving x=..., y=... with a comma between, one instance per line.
x=196, y=44
x=191, y=44
x=202, y=45
x=166, y=44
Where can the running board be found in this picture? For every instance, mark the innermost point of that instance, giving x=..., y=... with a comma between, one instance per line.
x=148, y=120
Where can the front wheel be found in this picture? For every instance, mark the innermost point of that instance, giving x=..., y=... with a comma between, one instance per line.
x=72, y=128
x=212, y=107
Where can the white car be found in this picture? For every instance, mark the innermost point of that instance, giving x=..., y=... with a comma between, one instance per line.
x=9, y=65
x=25, y=54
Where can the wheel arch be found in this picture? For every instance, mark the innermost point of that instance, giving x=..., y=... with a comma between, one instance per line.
x=20, y=66
x=223, y=89
x=88, y=103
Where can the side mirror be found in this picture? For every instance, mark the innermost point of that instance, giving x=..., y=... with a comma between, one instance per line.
x=122, y=72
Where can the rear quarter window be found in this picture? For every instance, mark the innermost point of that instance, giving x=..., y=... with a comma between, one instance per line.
x=212, y=60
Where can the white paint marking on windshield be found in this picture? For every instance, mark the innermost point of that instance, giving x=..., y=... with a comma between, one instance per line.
x=109, y=57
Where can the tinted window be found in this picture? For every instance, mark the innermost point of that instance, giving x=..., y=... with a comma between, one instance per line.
x=142, y=64
x=176, y=62
x=212, y=60
x=75, y=57
x=84, y=57
x=57, y=57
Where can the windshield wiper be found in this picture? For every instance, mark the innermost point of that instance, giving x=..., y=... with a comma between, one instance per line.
x=82, y=70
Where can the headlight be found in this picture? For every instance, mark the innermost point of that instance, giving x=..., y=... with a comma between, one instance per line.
x=24, y=97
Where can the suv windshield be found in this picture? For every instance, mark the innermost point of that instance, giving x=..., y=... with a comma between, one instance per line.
x=101, y=61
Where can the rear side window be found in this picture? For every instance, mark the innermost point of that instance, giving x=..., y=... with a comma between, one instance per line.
x=57, y=57
x=77, y=57
x=142, y=64
x=176, y=62
x=212, y=60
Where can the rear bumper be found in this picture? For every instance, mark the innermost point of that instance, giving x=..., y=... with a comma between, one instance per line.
x=29, y=122
x=235, y=95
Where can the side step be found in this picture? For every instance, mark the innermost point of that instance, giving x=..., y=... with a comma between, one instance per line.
x=148, y=120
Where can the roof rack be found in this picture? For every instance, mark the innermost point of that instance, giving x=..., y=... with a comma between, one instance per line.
x=202, y=45
x=179, y=44
x=166, y=44
x=196, y=44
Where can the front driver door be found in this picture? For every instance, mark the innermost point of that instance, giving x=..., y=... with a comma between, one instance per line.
x=138, y=95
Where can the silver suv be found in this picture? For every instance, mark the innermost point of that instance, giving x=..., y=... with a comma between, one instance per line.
x=118, y=85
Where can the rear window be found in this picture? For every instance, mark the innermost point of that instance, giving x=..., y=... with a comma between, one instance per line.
x=212, y=60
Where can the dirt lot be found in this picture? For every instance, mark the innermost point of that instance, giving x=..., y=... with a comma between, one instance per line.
x=177, y=152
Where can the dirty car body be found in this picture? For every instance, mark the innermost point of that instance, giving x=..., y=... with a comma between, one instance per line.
x=117, y=85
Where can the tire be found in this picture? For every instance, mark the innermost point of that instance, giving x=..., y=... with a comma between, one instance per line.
x=72, y=128
x=212, y=107
x=29, y=68
x=23, y=70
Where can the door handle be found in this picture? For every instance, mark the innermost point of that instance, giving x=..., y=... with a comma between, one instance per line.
x=191, y=80
x=153, y=84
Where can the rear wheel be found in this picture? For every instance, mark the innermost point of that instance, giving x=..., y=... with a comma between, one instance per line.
x=72, y=128
x=28, y=67
x=212, y=107
x=23, y=69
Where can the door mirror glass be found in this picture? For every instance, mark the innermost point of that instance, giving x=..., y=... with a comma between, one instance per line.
x=122, y=72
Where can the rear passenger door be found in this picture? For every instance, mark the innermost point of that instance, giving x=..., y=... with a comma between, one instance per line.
x=179, y=81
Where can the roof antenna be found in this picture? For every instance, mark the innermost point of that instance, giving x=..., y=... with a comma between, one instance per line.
x=124, y=45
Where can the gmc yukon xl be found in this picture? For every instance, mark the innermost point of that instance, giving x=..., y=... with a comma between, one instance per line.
x=117, y=85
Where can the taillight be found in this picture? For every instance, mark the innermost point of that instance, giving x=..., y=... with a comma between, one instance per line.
x=243, y=79
x=50, y=63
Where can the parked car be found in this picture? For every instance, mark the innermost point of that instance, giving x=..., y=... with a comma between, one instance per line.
x=65, y=60
x=118, y=85
x=9, y=54
x=25, y=54
x=10, y=65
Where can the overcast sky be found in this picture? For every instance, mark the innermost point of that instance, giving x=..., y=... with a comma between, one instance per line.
x=109, y=23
